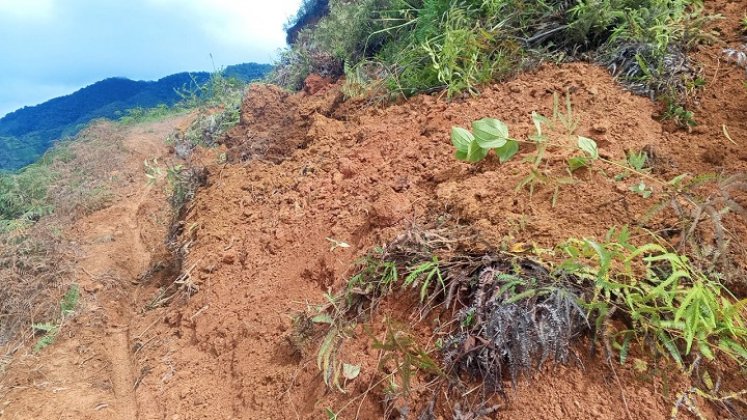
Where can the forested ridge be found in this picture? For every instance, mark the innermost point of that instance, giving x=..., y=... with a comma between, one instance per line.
x=27, y=133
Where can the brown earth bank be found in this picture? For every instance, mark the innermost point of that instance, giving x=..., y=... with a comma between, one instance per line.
x=203, y=329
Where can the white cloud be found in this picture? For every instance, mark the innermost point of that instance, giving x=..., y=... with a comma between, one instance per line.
x=256, y=25
x=27, y=10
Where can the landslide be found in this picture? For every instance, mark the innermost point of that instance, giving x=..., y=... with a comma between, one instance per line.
x=310, y=170
x=195, y=320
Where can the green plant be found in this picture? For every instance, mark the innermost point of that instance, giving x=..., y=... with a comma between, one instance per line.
x=668, y=306
x=140, y=115
x=641, y=189
x=638, y=160
x=67, y=306
x=417, y=46
x=681, y=116
x=491, y=134
x=401, y=355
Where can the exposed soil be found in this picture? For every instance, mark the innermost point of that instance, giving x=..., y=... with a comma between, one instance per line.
x=305, y=170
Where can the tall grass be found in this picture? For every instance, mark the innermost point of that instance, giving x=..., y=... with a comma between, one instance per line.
x=412, y=46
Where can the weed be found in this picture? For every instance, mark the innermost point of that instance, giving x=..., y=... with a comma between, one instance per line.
x=638, y=160
x=701, y=216
x=510, y=315
x=67, y=306
x=402, y=356
x=422, y=46
x=641, y=189
x=668, y=306
x=681, y=116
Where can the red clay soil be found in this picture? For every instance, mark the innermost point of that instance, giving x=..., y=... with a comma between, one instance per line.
x=305, y=170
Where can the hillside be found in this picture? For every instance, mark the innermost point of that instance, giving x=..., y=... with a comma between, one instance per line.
x=558, y=246
x=27, y=133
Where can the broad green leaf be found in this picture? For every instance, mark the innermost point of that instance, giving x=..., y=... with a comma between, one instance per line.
x=488, y=144
x=476, y=153
x=488, y=129
x=461, y=139
x=507, y=151
x=589, y=146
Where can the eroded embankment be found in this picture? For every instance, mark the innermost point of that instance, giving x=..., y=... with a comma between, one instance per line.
x=306, y=172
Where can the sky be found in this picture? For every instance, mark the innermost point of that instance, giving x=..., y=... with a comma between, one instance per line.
x=51, y=48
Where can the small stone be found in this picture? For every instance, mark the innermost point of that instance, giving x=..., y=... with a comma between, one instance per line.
x=515, y=89
x=229, y=259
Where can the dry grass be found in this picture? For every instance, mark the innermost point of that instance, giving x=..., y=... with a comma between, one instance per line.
x=36, y=258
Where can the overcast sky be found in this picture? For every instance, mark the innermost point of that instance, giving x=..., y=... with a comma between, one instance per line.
x=54, y=47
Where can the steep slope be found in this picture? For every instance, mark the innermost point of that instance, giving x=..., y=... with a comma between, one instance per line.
x=208, y=331
x=307, y=171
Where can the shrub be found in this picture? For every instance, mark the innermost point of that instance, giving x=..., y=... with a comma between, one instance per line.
x=456, y=45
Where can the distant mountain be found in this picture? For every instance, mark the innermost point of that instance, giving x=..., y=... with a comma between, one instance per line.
x=27, y=133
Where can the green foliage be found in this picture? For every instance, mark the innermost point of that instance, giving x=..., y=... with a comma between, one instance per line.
x=492, y=134
x=669, y=307
x=412, y=46
x=637, y=160
x=677, y=113
x=23, y=196
x=140, y=115
x=27, y=133
x=402, y=356
x=67, y=306
x=50, y=333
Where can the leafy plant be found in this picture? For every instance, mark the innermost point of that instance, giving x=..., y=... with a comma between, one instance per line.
x=637, y=160
x=668, y=306
x=410, y=47
x=681, y=116
x=402, y=355
x=492, y=134
x=641, y=189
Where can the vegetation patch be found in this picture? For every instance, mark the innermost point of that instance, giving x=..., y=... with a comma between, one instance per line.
x=407, y=47
x=498, y=315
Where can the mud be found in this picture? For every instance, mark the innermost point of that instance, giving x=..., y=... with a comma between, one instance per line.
x=307, y=171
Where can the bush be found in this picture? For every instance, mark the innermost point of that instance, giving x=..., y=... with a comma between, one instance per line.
x=456, y=45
